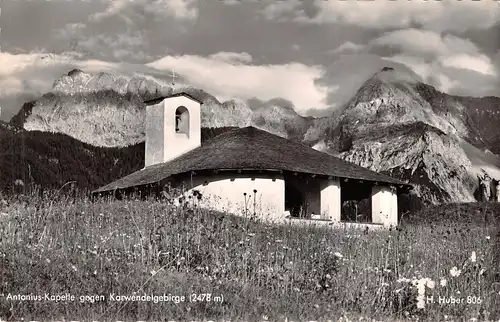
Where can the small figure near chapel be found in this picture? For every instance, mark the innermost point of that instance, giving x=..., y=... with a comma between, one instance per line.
x=497, y=190
x=485, y=187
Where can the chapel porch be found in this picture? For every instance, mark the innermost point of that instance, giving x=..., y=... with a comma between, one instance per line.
x=340, y=200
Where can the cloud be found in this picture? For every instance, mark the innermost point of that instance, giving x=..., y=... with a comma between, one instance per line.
x=441, y=60
x=181, y=9
x=71, y=30
x=129, y=44
x=229, y=57
x=348, y=47
x=430, y=72
x=114, y=8
x=159, y=9
x=425, y=42
x=292, y=81
x=481, y=64
x=451, y=76
x=446, y=15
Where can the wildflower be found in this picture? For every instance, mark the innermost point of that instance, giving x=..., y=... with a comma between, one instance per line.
x=481, y=272
x=454, y=272
x=473, y=257
x=421, y=286
x=337, y=254
x=443, y=282
x=420, y=302
x=430, y=284
x=73, y=267
x=488, y=237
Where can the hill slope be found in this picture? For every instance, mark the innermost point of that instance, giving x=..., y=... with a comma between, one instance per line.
x=52, y=159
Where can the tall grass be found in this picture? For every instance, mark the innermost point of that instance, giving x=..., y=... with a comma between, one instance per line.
x=253, y=270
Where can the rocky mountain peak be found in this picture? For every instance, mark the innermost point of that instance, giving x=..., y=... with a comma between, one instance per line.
x=393, y=96
x=75, y=72
x=108, y=110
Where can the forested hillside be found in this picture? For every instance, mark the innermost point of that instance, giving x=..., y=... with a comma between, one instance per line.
x=50, y=160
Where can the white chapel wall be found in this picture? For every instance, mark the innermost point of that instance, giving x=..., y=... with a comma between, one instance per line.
x=330, y=199
x=177, y=144
x=384, y=206
x=163, y=143
x=154, y=134
x=225, y=192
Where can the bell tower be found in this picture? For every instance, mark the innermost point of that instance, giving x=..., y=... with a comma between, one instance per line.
x=173, y=127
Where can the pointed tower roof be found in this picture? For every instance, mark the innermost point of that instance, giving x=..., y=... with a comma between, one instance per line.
x=161, y=98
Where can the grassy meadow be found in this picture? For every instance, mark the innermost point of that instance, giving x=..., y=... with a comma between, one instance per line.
x=239, y=270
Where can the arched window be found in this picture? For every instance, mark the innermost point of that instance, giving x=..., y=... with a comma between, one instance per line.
x=182, y=120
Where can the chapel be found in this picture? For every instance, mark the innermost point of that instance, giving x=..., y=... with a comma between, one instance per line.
x=250, y=171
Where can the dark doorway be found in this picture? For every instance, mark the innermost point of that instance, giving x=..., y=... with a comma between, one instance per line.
x=294, y=200
x=356, y=201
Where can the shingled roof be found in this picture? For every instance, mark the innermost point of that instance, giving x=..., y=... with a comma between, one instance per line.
x=251, y=149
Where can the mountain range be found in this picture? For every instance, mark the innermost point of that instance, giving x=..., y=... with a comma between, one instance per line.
x=394, y=124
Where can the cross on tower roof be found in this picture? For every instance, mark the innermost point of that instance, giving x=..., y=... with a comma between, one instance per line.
x=173, y=78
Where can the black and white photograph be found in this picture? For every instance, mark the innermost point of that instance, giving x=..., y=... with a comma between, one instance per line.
x=250, y=160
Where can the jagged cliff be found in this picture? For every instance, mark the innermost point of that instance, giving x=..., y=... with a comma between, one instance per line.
x=106, y=110
x=394, y=124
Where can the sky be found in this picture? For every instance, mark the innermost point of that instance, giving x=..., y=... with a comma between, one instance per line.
x=312, y=54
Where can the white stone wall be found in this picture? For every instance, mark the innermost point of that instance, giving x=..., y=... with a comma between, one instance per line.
x=384, y=206
x=162, y=142
x=177, y=144
x=155, y=126
x=330, y=199
x=224, y=192
x=394, y=208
